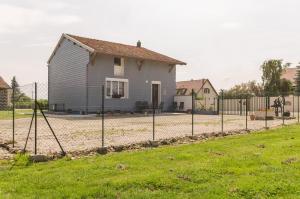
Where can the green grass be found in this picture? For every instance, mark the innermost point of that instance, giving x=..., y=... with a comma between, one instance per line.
x=19, y=113
x=259, y=165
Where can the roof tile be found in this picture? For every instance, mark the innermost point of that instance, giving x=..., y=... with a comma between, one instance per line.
x=192, y=84
x=117, y=49
x=3, y=84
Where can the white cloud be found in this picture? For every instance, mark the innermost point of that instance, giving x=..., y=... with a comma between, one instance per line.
x=230, y=25
x=18, y=19
x=47, y=44
x=4, y=42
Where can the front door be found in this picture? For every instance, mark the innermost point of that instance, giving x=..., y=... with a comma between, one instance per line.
x=155, y=95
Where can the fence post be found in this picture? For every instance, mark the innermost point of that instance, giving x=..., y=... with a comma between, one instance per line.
x=218, y=105
x=246, y=113
x=241, y=107
x=193, y=107
x=266, y=111
x=293, y=105
x=298, y=106
x=13, y=112
x=35, y=118
x=102, y=115
x=153, y=121
x=282, y=114
x=222, y=111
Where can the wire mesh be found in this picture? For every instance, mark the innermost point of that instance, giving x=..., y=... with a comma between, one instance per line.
x=83, y=118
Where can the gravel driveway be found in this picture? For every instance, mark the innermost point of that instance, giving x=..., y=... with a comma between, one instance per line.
x=77, y=133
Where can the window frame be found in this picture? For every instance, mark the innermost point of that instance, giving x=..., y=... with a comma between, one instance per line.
x=126, y=87
x=120, y=59
x=120, y=68
x=206, y=89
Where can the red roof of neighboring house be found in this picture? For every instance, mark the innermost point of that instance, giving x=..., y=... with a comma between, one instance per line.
x=187, y=86
x=192, y=84
x=289, y=74
x=111, y=48
x=3, y=84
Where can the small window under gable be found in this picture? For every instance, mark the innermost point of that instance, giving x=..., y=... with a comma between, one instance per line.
x=117, y=61
x=118, y=66
x=206, y=90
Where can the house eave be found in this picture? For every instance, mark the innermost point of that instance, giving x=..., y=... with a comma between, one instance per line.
x=66, y=36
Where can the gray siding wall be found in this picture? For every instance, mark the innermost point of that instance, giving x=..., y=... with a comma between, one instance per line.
x=67, y=77
x=139, y=90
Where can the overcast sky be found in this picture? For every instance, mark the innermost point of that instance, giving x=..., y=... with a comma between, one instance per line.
x=223, y=40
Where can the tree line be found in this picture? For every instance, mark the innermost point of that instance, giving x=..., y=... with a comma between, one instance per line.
x=21, y=99
x=272, y=84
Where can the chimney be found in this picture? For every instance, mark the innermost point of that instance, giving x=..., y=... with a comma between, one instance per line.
x=139, y=44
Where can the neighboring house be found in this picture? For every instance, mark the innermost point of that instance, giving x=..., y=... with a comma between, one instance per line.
x=5, y=94
x=289, y=74
x=205, y=94
x=79, y=67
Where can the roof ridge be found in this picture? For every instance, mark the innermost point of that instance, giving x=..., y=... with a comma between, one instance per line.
x=193, y=80
x=117, y=44
x=71, y=35
x=120, y=49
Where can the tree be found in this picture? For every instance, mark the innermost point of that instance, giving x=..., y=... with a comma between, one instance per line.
x=251, y=88
x=297, y=81
x=15, y=85
x=286, y=87
x=272, y=70
x=20, y=97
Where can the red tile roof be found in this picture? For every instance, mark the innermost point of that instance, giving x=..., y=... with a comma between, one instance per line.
x=117, y=49
x=289, y=74
x=3, y=84
x=187, y=86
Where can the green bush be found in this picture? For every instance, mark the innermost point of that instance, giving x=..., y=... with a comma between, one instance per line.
x=43, y=103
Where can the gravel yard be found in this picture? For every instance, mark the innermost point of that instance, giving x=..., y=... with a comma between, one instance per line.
x=4, y=154
x=77, y=133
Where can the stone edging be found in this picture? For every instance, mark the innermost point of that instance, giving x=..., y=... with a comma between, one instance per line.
x=131, y=147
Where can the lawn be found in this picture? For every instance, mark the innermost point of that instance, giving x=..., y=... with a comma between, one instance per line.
x=258, y=165
x=19, y=113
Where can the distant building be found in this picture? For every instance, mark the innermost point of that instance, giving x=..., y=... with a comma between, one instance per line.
x=5, y=94
x=205, y=94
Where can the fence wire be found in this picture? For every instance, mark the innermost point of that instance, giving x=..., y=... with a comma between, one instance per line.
x=85, y=118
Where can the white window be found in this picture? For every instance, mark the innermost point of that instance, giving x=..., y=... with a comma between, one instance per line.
x=118, y=66
x=117, y=88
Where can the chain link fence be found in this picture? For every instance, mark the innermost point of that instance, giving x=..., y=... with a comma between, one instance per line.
x=70, y=122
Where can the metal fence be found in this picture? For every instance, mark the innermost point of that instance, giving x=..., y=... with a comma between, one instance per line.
x=29, y=122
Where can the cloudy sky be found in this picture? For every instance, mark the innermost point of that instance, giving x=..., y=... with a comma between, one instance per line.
x=223, y=40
